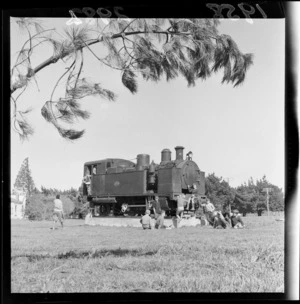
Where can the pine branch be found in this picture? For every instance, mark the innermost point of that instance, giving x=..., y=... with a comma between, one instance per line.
x=125, y=47
x=69, y=68
x=55, y=58
x=34, y=36
x=128, y=25
x=101, y=60
x=80, y=69
x=192, y=48
x=128, y=79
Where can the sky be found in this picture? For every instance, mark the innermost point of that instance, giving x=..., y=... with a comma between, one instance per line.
x=236, y=133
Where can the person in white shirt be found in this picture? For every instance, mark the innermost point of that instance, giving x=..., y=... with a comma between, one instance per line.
x=58, y=213
x=209, y=211
x=146, y=220
x=87, y=182
x=181, y=203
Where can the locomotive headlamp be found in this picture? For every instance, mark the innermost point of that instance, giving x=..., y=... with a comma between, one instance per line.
x=189, y=155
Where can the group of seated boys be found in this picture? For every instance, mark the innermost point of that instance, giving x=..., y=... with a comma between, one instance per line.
x=215, y=218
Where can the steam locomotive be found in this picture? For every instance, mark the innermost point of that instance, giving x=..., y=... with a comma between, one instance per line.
x=122, y=187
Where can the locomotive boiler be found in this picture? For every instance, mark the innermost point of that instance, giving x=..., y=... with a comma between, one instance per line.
x=121, y=187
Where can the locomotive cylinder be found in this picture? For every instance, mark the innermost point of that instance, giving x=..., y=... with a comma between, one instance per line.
x=179, y=153
x=166, y=155
x=143, y=160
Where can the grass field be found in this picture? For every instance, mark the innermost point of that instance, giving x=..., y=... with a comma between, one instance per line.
x=83, y=258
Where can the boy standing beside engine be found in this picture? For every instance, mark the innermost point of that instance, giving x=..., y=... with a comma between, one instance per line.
x=159, y=207
x=156, y=207
x=164, y=208
x=157, y=212
x=87, y=182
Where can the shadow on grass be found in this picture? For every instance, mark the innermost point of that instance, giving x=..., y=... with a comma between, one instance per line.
x=88, y=254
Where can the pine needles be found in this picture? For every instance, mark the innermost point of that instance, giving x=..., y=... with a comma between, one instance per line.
x=151, y=48
x=129, y=81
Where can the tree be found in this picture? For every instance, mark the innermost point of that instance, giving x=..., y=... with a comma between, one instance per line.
x=24, y=180
x=251, y=198
x=245, y=198
x=151, y=48
x=40, y=206
x=276, y=201
x=219, y=191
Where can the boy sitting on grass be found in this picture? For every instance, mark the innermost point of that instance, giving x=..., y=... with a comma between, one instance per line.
x=219, y=221
x=146, y=220
x=236, y=220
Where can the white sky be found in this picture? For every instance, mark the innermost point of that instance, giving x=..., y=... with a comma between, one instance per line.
x=235, y=132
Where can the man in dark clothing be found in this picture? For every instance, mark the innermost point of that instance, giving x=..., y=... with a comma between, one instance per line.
x=156, y=206
x=164, y=208
x=236, y=220
x=160, y=206
x=227, y=218
x=164, y=204
x=157, y=211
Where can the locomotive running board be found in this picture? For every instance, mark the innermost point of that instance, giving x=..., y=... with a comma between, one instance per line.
x=104, y=200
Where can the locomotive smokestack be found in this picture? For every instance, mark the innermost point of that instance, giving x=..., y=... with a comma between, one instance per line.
x=143, y=160
x=179, y=153
x=166, y=155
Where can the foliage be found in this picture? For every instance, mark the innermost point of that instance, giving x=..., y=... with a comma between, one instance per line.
x=150, y=48
x=243, y=203
x=72, y=192
x=247, y=198
x=219, y=191
x=251, y=197
x=81, y=210
x=40, y=207
x=81, y=207
x=24, y=180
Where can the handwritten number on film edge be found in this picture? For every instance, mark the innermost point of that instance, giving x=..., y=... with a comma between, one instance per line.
x=104, y=16
x=217, y=8
x=103, y=13
x=74, y=19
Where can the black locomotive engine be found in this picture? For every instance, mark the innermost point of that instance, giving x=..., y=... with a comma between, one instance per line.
x=119, y=186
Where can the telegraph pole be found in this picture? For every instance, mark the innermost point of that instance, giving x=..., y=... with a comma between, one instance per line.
x=229, y=205
x=267, y=190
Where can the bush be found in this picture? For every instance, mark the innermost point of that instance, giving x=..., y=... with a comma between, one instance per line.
x=81, y=210
x=40, y=207
x=68, y=204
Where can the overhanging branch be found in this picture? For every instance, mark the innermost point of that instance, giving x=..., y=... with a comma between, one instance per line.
x=55, y=58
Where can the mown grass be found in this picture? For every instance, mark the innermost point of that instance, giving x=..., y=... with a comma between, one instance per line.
x=83, y=258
